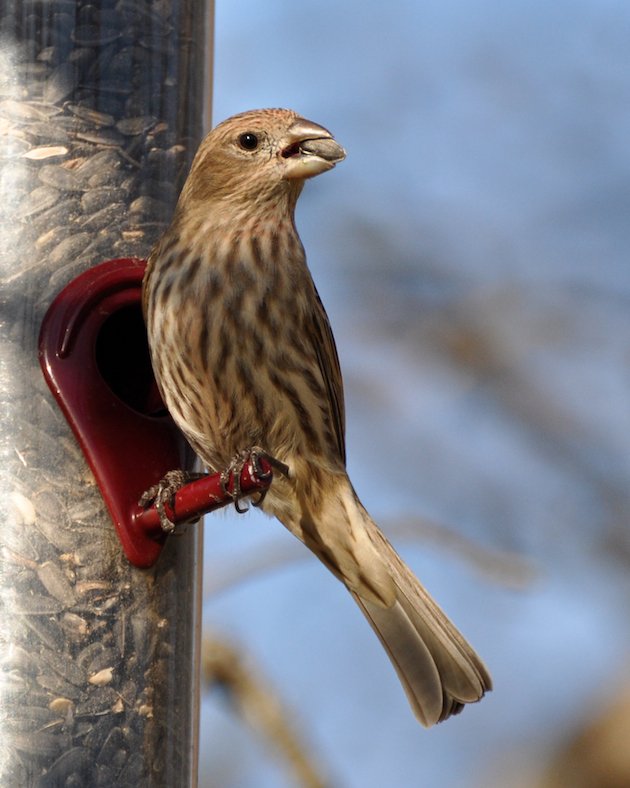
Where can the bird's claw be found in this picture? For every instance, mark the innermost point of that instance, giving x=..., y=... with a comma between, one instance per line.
x=235, y=468
x=164, y=493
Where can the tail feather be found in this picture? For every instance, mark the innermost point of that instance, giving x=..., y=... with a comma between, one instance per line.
x=412, y=658
x=438, y=669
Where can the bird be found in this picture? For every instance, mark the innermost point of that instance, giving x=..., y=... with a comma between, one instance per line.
x=244, y=358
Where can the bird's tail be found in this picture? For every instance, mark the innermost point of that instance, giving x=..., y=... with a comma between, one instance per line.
x=438, y=669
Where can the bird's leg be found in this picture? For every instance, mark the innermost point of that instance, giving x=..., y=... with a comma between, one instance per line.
x=256, y=454
x=164, y=492
x=235, y=468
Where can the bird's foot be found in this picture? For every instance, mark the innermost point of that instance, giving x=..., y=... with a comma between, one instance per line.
x=164, y=493
x=235, y=468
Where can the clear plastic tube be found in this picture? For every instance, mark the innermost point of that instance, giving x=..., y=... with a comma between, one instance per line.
x=101, y=109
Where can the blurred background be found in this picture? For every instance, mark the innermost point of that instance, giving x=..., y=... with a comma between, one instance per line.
x=472, y=253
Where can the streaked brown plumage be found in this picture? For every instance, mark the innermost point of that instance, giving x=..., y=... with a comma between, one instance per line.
x=244, y=356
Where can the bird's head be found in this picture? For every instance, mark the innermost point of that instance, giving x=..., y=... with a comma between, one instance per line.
x=260, y=155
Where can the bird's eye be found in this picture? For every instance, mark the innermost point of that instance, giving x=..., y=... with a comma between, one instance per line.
x=248, y=141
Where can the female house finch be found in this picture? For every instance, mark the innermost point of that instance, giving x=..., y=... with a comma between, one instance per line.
x=244, y=357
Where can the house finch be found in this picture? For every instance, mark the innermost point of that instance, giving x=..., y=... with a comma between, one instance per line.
x=244, y=357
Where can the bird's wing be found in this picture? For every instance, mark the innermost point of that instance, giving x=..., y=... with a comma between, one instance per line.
x=328, y=360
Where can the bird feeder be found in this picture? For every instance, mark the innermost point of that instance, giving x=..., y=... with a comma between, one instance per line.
x=101, y=110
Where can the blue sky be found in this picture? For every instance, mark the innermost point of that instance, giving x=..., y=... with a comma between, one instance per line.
x=472, y=253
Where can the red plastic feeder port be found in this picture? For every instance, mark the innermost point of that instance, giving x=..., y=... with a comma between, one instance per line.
x=94, y=355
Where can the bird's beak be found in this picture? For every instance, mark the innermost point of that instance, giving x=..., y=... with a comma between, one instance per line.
x=308, y=150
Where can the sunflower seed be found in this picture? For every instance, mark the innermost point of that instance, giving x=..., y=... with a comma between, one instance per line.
x=60, y=178
x=91, y=115
x=56, y=583
x=138, y=125
x=46, y=152
x=61, y=83
x=40, y=199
